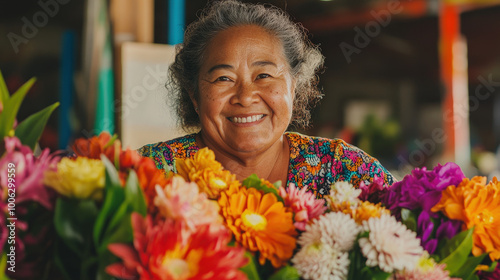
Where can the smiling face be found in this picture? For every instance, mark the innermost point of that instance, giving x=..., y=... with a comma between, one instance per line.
x=246, y=91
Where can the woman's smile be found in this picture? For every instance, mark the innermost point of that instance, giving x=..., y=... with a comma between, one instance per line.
x=252, y=119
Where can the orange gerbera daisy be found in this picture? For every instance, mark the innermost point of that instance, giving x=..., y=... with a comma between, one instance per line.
x=207, y=173
x=259, y=222
x=478, y=206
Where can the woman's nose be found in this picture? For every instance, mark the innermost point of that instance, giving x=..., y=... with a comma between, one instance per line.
x=246, y=93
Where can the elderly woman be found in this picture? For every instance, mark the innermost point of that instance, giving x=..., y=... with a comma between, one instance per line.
x=243, y=75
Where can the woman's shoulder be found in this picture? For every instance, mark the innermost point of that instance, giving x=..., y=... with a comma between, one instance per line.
x=330, y=160
x=167, y=151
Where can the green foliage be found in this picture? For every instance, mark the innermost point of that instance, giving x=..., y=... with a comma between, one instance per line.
x=286, y=273
x=30, y=130
x=3, y=259
x=409, y=219
x=253, y=181
x=250, y=269
x=11, y=107
x=469, y=267
x=456, y=251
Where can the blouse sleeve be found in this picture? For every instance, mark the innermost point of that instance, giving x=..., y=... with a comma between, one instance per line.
x=358, y=166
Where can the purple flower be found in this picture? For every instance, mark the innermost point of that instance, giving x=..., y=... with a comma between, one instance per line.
x=422, y=188
x=425, y=229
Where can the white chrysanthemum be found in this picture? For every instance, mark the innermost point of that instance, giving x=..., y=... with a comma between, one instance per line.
x=390, y=245
x=321, y=262
x=335, y=229
x=344, y=192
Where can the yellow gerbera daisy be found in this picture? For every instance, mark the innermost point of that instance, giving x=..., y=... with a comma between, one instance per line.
x=259, y=222
x=478, y=206
x=207, y=173
x=367, y=210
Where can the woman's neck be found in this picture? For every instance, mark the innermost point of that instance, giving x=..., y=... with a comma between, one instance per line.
x=270, y=164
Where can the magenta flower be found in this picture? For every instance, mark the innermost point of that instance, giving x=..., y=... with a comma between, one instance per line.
x=28, y=173
x=375, y=191
x=422, y=188
x=419, y=192
x=304, y=205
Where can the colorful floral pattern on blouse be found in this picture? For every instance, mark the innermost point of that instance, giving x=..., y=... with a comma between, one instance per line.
x=315, y=162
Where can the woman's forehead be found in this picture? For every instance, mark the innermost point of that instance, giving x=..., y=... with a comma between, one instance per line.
x=244, y=42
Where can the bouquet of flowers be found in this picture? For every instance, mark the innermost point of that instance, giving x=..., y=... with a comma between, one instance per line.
x=106, y=213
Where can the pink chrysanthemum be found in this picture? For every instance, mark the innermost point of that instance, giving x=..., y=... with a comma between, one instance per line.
x=426, y=269
x=181, y=200
x=304, y=205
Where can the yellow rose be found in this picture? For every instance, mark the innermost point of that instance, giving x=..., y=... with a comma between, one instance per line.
x=81, y=178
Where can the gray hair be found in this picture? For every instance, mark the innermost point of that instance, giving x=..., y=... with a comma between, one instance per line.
x=304, y=58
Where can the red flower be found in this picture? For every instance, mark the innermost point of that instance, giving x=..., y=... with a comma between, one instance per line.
x=97, y=145
x=160, y=252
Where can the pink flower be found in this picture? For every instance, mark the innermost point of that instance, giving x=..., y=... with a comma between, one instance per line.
x=182, y=201
x=29, y=171
x=304, y=205
x=435, y=273
x=161, y=252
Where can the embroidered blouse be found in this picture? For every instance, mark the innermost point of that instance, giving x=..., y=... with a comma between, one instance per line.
x=315, y=162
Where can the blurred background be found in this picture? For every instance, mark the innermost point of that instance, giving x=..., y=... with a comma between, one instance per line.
x=412, y=82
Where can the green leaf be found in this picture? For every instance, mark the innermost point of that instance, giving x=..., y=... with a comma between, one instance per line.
x=11, y=107
x=469, y=268
x=253, y=181
x=30, y=130
x=114, y=195
x=492, y=267
x=373, y=273
x=457, y=250
x=409, y=219
x=121, y=233
x=134, y=202
x=133, y=194
x=73, y=220
x=4, y=91
x=286, y=273
x=250, y=268
x=3, y=264
x=277, y=184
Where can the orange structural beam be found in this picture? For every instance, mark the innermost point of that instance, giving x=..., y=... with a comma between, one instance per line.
x=449, y=27
x=453, y=57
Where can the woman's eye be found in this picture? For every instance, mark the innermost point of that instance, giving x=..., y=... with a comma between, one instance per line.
x=263, y=75
x=222, y=79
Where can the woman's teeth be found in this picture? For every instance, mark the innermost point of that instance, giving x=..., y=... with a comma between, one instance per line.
x=248, y=119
